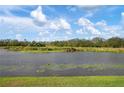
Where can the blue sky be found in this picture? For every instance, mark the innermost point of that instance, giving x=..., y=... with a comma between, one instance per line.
x=49, y=23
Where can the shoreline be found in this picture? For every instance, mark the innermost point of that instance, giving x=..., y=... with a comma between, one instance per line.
x=64, y=49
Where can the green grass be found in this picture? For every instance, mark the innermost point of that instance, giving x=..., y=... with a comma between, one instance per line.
x=78, y=81
x=63, y=49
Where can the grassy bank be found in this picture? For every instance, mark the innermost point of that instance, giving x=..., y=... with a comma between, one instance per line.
x=64, y=49
x=81, y=81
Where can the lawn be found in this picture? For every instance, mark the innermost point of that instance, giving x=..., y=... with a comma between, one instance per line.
x=74, y=81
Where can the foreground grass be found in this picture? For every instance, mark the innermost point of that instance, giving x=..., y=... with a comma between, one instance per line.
x=63, y=49
x=78, y=81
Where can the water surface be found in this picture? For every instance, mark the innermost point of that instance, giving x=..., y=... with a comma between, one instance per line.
x=60, y=64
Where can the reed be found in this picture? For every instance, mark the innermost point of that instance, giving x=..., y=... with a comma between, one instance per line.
x=64, y=49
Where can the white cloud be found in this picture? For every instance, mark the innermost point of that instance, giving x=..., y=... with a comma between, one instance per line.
x=69, y=32
x=122, y=14
x=25, y=25
x=42, y=33
x=60, y=24
x=80, y=31
x=19, y=37
x=52, y=29
x=16, y=20
x=64, y=24
x=17, y=25
x=84, y=22
x=93, y=30
x=101, y=23
x=54, y=25
x=39, y=17
x=112, y=30
x=88, y=26
x=101, y=28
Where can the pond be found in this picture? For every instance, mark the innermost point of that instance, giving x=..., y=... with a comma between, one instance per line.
x=60, y=64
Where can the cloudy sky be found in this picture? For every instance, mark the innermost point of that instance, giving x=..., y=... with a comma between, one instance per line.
x=49, y=23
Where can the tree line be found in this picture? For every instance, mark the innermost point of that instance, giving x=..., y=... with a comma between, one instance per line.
x=114, y=42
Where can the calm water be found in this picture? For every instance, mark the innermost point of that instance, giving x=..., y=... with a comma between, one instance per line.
x=57, y=64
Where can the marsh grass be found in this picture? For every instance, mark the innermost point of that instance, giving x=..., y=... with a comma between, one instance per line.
x=49, y=66
x=91, y=67
x=85, y=66
x=40, y=70
x=63, y=49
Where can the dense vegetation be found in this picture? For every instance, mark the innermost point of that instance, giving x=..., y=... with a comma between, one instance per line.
x=114, y=42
